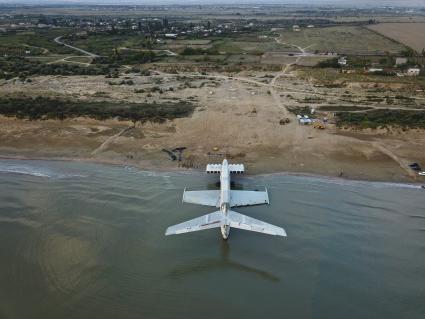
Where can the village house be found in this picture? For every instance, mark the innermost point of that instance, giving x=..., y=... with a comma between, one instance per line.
x=400, y=61
x=342, y=61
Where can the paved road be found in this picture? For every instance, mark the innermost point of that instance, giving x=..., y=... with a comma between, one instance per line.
x=92, y=55
x=167, y=52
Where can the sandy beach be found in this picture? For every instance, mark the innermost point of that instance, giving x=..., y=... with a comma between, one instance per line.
x=237, y=117
x=347, y=154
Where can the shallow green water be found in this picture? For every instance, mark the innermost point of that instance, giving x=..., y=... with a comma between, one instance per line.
x=87, y=241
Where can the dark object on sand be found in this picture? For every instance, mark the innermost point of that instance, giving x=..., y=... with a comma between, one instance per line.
x=179, y=151
x=284, y=121
x=174, y=151
x=415, y=167
x=172, y=156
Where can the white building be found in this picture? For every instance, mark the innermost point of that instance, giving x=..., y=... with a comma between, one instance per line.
x=413, y=71
x=373, y=70
x=171, y=35
x=400, y=61
x=342, y=61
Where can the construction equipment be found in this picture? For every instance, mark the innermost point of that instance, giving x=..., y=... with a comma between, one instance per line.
x=319, y=125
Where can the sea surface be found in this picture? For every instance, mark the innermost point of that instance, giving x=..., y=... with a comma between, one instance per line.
x=87, y=241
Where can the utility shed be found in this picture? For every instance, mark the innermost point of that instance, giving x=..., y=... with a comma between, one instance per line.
x=342, y=61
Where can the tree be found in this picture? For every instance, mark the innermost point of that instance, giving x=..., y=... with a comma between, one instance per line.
x=408, y=52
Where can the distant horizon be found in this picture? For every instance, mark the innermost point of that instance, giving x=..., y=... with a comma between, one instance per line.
x=310, y=3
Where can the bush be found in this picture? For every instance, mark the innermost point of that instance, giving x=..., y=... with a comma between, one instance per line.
x=47, y=108
x=12, y=67
x=199, y=51
x=330, y=63
x=126, y=57
x=382, y=118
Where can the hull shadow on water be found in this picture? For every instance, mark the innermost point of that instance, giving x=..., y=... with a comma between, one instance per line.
x=223, y=262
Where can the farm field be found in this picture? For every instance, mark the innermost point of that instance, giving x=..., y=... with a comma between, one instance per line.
x=341, y=39
x=410, y=34
x=233, y=46
x=39, y=42
x=106, y=43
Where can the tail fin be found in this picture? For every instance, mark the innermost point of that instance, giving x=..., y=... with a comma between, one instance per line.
x=213, y=220
x=240, y=221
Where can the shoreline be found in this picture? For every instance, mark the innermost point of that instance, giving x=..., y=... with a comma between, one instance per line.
x=153, y=168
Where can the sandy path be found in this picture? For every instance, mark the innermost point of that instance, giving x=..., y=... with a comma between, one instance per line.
x=403, y=163
x=110, y=139
x=58, y=41
x=285, y=69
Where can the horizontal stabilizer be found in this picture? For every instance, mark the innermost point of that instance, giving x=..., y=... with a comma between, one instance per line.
x=248, y=198
x=240, y=221
x=213, y=168
x=236, y=168
x=206, y=198
x=208, y=221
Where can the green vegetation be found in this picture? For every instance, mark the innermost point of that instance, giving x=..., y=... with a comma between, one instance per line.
x=300, y=110
x=48, y=108
x=382, y=118
x=198, y=51
x=329, y=63
x=255, y=46
x=346, y=108
x=330, y=75
x=36, y=42
x=106, y=43
x=126, y=57
x=343, y=39
x=12, y=67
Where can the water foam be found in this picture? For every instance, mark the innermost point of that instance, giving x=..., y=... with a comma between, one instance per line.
x=34, y=170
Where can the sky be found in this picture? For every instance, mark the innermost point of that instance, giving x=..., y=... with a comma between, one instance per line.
x=399, y=3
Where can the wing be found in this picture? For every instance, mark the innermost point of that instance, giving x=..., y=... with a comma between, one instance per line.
x=240, y=221
x=248, y=198
x=208, y=221
x=207, y=198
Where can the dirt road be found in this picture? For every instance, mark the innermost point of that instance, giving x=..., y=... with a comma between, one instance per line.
x=58, y=41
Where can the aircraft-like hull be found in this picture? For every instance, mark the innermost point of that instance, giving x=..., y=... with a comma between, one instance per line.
x=224, y=199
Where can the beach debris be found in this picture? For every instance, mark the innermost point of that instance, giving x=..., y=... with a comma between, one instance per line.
x=319, y=125
x=179, y=151
x=171, y=154
x=284, y=121
x=175, y=153
x=415, y=167
x=215, y=154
